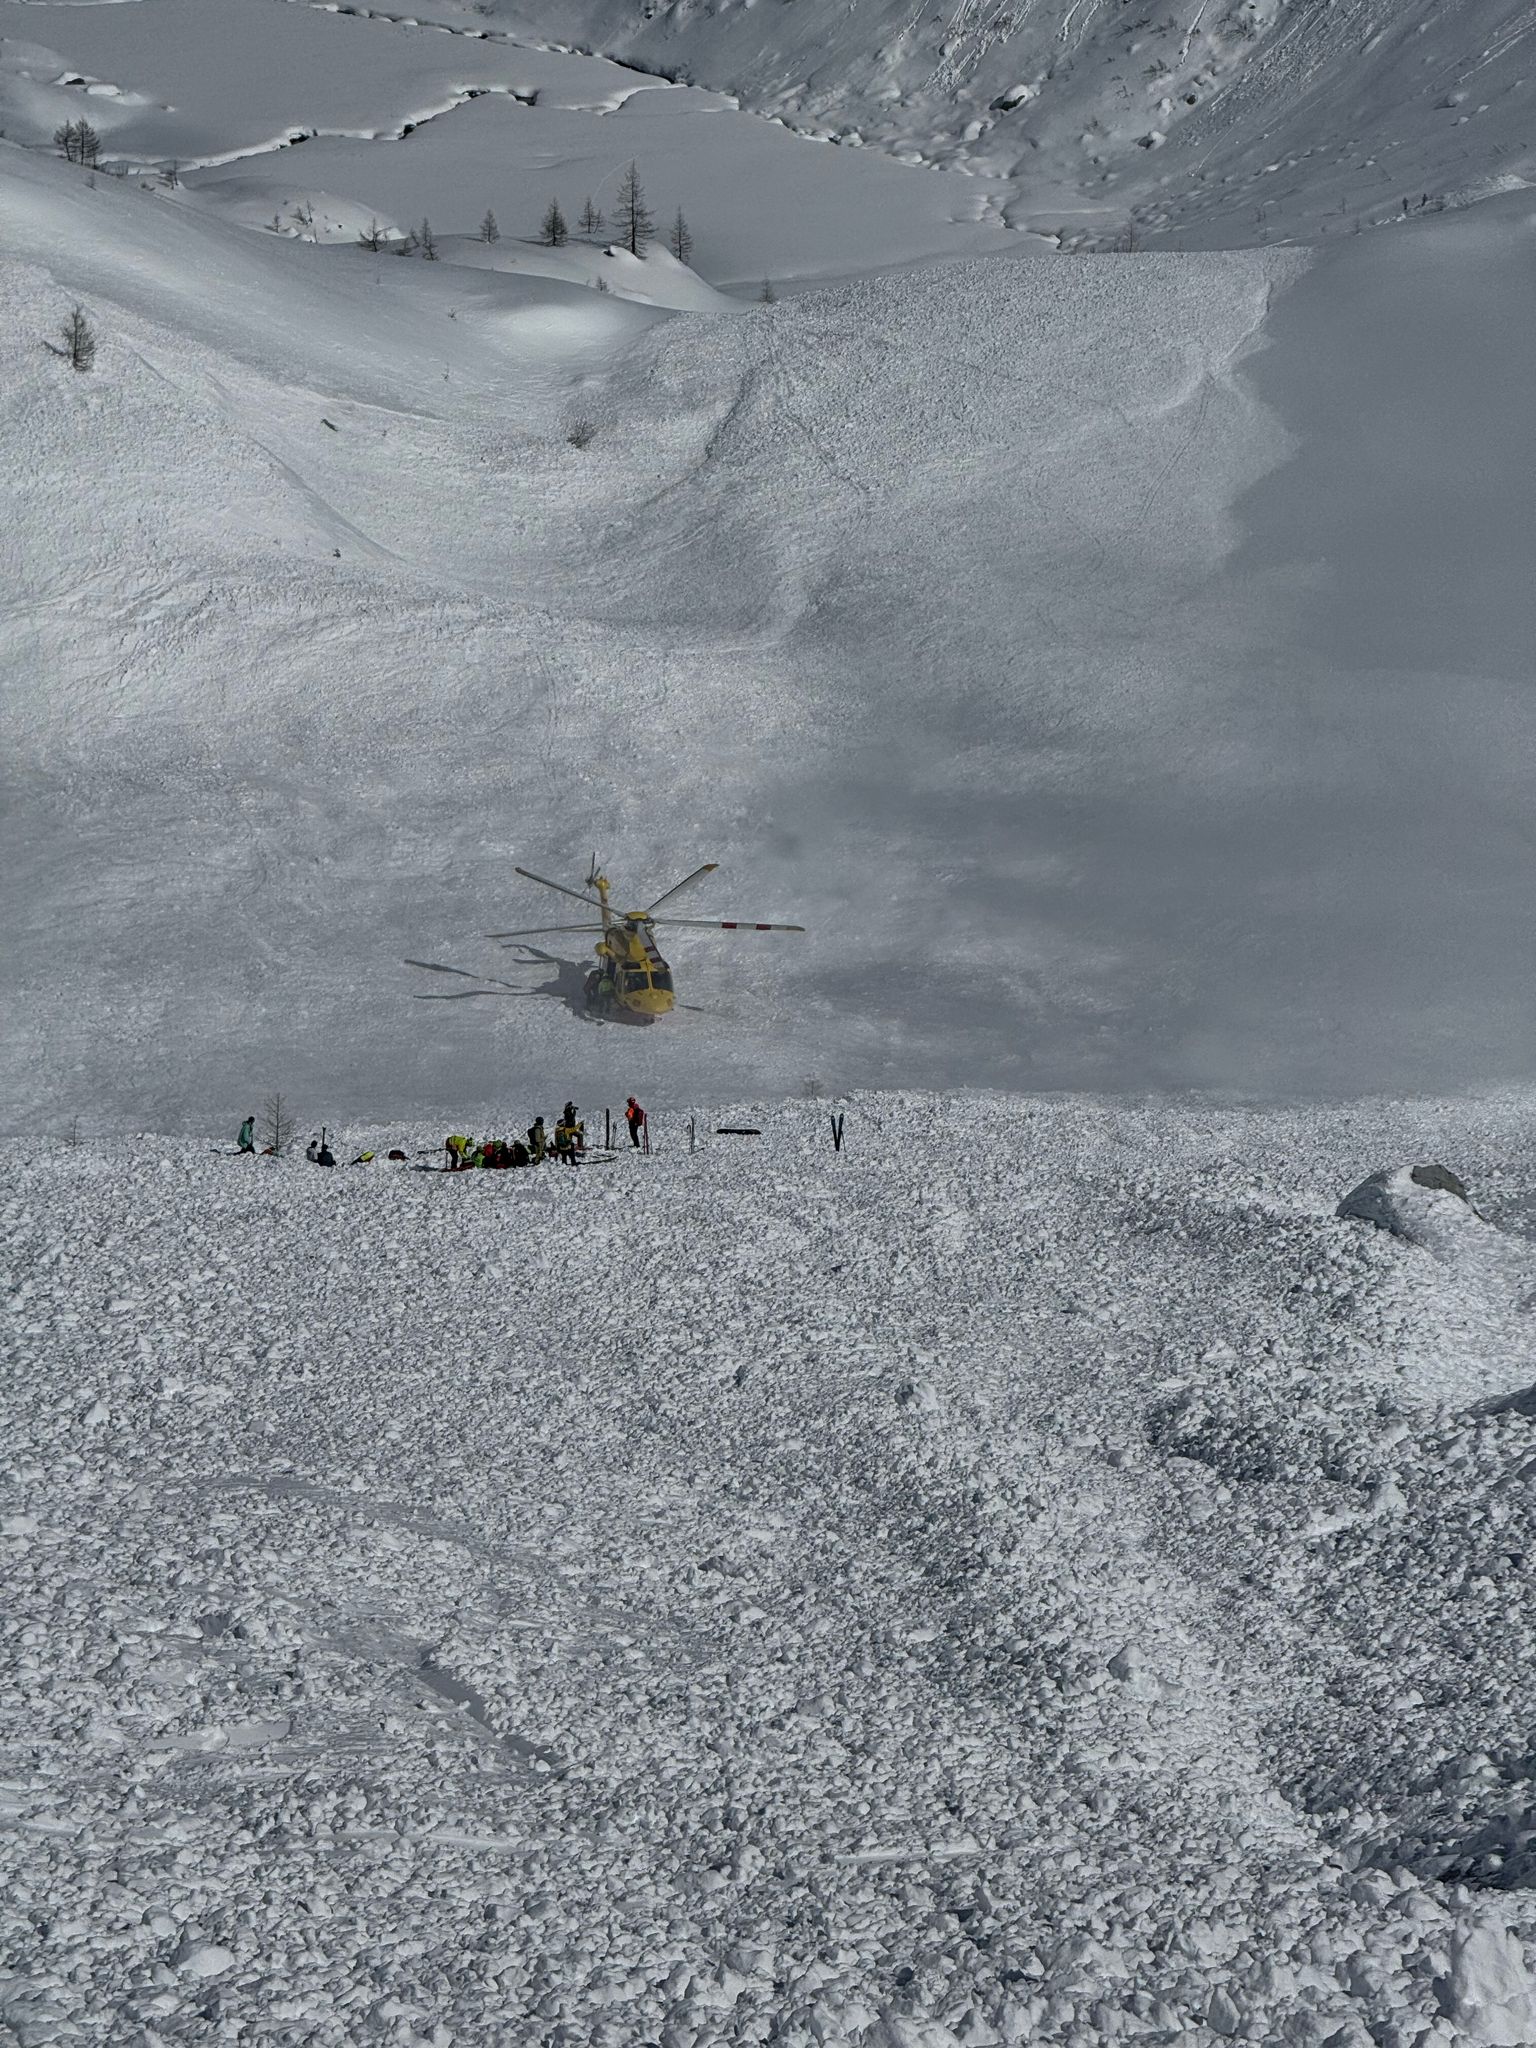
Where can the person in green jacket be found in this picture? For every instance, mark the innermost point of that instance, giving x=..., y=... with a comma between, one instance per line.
x=247, y=1138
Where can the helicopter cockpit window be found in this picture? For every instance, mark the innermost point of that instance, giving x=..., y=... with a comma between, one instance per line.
x=661, y=977
x=635, y=980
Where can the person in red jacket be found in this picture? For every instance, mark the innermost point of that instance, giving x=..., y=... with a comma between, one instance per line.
x=634, y=1116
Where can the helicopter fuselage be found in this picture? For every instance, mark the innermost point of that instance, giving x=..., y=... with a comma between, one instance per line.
x=642, y=980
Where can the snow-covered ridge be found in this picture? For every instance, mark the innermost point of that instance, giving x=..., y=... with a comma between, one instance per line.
x=1281, y=116
x=1036, y=1575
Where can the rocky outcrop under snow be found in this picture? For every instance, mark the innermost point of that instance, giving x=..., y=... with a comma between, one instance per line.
x=1424, y=1205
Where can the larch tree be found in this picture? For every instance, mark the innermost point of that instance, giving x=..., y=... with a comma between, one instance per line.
x=553, y=230
x=489, y=232
x=635, y=223
x=77, y=343
x=77, y=142
x=680, y=241
x=426, y=241
x=591, y=219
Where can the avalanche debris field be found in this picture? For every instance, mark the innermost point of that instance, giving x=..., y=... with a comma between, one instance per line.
x=1033, y=1577
x=1050, y=513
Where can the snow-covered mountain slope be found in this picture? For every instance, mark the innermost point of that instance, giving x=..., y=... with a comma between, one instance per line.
x=1035, y=1577
x=964, y=616
x=1206, y=121
x=313, y=122
x=1214, y=123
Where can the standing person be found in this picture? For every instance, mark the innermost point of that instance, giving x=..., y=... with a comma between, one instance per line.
x=538, y=1142
x=634, y=1116
x=247, y=1138
x=565, y=1143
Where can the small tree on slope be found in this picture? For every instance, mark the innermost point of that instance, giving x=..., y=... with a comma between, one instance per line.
x=276, y=1124
x=680, y=241
x=78, y=342
x=372, y=237
x=591, y=220
x=426, y=241
x=635, y=223
x=553, y=231
x=489, y=232
x=77, y=142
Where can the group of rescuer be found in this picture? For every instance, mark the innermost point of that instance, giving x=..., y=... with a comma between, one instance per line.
x=567, y=1143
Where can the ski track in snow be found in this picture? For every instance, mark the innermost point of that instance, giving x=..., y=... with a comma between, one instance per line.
x=1056, y=1583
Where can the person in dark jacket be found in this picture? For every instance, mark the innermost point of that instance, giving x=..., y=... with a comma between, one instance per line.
x=247, y=1138
x=634, y=1116
x=538, y=1142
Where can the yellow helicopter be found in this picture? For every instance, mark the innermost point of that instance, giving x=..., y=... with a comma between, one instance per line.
x=630, y=977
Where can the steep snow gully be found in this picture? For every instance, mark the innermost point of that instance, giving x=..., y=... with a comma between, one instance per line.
x=1034, y=1577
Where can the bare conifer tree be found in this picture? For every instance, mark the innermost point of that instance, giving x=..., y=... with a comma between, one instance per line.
x=426, y=241
x=768, y=295
x=277, y=1124
x=591, y=221
x=553, y=230
x=680, y=241
x=79, y=342
x=635, y=223
x=372, y=237
x=77, y=142
x=489, y=232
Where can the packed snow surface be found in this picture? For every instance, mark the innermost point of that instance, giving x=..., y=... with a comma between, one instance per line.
x=1035, y=1576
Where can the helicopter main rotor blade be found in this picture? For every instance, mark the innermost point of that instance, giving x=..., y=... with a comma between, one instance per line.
x=436, y=967
x=539, y=931
x=468, y=995
x=686, y=883
x=559, y=887
x=728, y=924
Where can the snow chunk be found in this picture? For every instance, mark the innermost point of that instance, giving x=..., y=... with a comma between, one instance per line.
x=918, y=1397
x=1492, y=1994
x=204, y=1959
